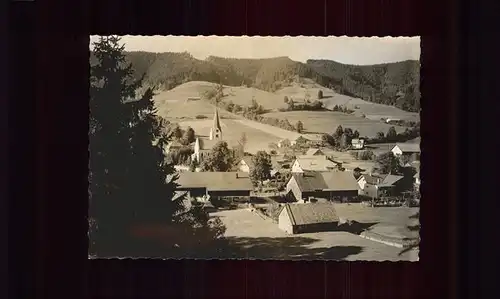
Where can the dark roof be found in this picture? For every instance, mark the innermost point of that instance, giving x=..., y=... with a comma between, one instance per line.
x=314, y=151
x=391, y=179
x=215, y=181
x=325, y=181
x=382, y=180
x=311, y=213
x=372, y=179
x=310, y=181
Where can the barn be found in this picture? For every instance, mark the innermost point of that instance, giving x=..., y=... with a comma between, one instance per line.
x=308, y=218
x=215, y=184
x=325, y=185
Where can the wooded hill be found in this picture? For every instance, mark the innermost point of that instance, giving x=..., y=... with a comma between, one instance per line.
x=395, y=84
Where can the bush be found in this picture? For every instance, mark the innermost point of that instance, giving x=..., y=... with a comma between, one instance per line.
x=199, y=116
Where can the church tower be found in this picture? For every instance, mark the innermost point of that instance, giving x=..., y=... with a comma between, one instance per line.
x=216, y=130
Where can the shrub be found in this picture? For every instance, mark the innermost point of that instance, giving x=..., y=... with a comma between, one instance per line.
x=199, y=116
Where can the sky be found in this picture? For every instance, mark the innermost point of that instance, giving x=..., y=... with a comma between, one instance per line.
x=348, y=50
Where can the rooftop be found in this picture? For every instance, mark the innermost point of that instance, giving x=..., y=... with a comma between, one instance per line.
x=215, y=181
x=326, y=181
x=312, y=213
x=315, y=163
x=314, y=151
x=409, y=147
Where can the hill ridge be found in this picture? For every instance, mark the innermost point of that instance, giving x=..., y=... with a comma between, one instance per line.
x=396, y=83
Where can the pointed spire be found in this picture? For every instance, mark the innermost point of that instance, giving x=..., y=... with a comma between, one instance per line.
x=216, y=124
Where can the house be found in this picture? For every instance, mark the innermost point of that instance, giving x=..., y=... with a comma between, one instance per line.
x=245, y=165
x=393, y=120
x=314, y=152
x=314, y=163
x=322, y=185
x=416, y=180
x=284, y=143
x=308, y=218
x=409, y=150
x=215, y=184
x=299, y=140
x=376, y=186
x=277, y=164
x=357, y=143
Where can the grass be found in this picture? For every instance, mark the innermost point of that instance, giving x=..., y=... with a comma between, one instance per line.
x=232, y=131
x=328, y=121
x=260, y=238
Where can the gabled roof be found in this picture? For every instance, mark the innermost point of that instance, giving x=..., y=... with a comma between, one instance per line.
x=215, y=181
x=315, y=163
x=409, y=147
x=391, y=179
x=310, y=181
x=340, y=181
x=326, y=181
x=207, y=144
x=372, y=179
x=311, y=213
x=313, y=152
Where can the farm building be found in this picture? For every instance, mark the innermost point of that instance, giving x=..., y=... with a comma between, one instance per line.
x=322, y=185
x=313, y=163
x=215, y=184
x=410, y=150
x=308, y=218
x=357, y=143
x=376, y=186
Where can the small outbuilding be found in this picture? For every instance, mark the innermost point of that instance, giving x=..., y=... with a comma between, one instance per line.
x=308, y=218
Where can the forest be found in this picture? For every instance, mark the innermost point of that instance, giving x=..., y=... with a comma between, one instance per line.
x=396, y=84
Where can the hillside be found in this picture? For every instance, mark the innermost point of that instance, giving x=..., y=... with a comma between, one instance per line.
x=395, y=84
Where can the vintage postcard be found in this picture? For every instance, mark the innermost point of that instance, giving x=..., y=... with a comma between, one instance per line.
x=291, y=148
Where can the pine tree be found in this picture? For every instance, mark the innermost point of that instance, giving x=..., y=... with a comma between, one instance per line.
x=131, y=185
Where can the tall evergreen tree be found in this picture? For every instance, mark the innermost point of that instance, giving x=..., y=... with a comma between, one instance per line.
x=131, y=185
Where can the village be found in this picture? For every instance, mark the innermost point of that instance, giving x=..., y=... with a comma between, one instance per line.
x=302, y=186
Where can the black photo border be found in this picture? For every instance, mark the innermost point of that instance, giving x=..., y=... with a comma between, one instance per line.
x=48, y=157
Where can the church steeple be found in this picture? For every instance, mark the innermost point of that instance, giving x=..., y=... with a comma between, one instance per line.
x=216, y=130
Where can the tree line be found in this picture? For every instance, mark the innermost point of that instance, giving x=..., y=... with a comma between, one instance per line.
x=395, y=84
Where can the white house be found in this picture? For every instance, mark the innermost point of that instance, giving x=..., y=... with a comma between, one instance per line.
x=284, y=143
x=245, y=164
x=405, y=148
x=357, y=143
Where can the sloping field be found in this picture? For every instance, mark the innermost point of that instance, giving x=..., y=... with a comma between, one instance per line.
x=232, y=131
x=174, y=104
x=328, y=121
x=331, y=98
x=237, y=94
x=243, y=96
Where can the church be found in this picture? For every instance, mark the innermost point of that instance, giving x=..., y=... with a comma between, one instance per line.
x=203, y=146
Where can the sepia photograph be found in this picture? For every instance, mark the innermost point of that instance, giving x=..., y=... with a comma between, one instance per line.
x=269, y=148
